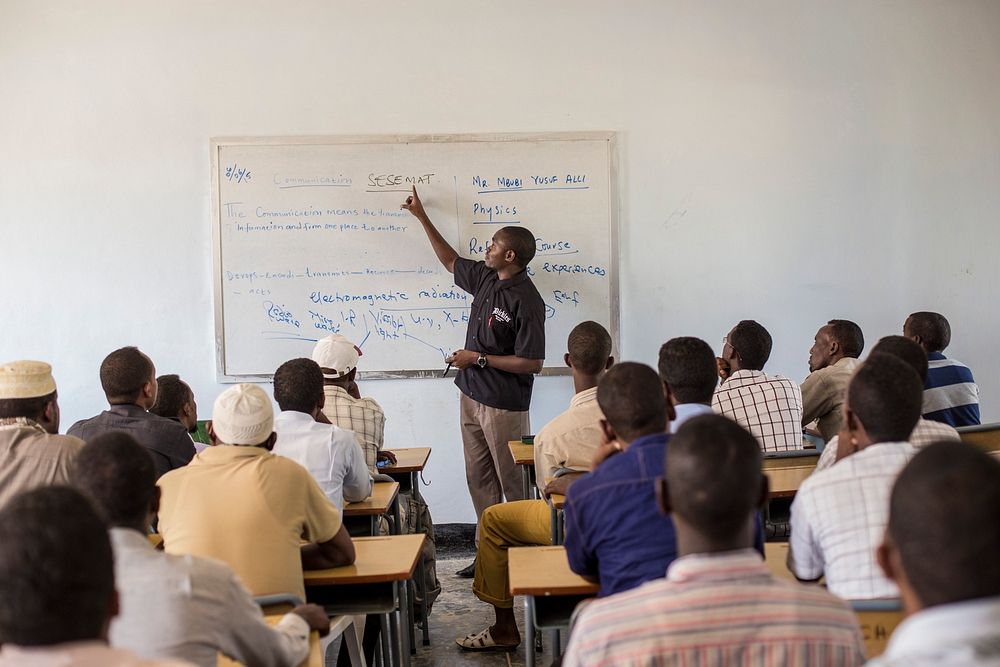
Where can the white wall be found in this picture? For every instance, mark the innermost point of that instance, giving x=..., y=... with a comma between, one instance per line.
x=790, y=162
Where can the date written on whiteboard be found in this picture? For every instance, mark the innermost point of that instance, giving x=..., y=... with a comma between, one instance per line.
x=237, y=173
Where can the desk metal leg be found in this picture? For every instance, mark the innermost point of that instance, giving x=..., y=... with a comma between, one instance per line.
x=395, y=515
x=385, y=655
x=406, y=627
x=553, y=525
x=556, y=651
x=529, y=631
x=526, y=482
x=561, y=522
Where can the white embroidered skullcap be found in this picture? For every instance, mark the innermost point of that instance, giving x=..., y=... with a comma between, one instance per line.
x=337, y=354
x=242, y=415
x=26, y=379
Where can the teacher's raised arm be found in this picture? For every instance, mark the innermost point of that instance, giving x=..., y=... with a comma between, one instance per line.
x=445, y=253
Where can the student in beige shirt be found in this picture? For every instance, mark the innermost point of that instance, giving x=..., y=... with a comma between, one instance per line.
x=241, y=504
x=832, y=360
x=32, y=453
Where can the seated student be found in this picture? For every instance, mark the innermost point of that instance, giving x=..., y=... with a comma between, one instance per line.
x=129, y=381
x=719, y=604
x=57, y=584
x=566, y=443
x=926, y=431
x=613, y=530
x=688, y=372
x=832, y=360
x=839, y=514
x=175, y=401
x=32, y=453
x=241, y=504
x=330, y=454
x=941, y=550
x=950, y=392
x=344, y=406
x=768, y=406
x=177, y=606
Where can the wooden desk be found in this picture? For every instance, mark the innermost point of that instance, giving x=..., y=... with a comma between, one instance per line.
x=384, y=500
x=524, y=456
x=410, y=462
x=375, y=584
x=986, y=436
x=551, y=591
x=776, y=559
x=155, y=539
x=412, y=459
x=878, y=620
x=786, y=477
x=315, y=658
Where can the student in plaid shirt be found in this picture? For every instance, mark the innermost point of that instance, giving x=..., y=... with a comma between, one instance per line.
x=338, y=359
x=769, y=406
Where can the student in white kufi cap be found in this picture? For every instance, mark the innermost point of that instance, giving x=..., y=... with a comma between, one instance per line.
x=239, y=503
x=32, y=453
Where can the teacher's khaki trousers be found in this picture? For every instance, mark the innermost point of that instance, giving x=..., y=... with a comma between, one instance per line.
x=490, y=471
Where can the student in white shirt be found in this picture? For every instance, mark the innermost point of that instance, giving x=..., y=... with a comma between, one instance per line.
x=688, y=371
x=57, y=584
x=330, y=454
x=839, y=514
x=942, y=549
x=171, y=605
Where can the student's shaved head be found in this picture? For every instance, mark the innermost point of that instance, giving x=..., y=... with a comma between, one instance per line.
x=943, y=522
x=631, y=397
x=589, y=347
x=713, y=473
x=886, y=395
x=907, y=350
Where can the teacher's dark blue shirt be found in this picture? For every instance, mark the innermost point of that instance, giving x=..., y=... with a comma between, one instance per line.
x=614, y=529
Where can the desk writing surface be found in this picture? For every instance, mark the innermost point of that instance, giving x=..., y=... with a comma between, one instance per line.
x=155, y=539
x=523, y=454
x=376, y=560
x=545, y=571
x=791, y=461
x=315, y=658
x=983, y=436
x=776, y=559
x=412, y=459
x=383, y=493
x=784, y=482
x=876, y=628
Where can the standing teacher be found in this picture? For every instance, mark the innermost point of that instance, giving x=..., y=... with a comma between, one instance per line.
x=504, y=348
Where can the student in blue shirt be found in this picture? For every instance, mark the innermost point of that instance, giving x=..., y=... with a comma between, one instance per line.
x=614, y=529
x=950, y=392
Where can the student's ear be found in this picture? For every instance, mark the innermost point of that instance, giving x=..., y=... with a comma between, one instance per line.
x=608, y=431
x=269, y=444
x=883, y=556
x=668, y=393
x=154, y=501
x=567, y=361
x=212, y=439
x=663, y=496
x=765, y=489
x=322, y=400
x=609, y=363
x=50, y=416
x=671, y=412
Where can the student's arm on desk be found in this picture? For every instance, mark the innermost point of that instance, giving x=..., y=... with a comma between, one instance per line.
x=357, y=480
x=561, y=484
x=249, y=640
x=805, y=559
x=332, y=553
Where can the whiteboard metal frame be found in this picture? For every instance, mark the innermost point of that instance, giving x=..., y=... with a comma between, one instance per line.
x=614, y=194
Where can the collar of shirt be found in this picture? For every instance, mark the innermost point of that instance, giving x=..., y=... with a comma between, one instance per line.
x=516, y=279
x=127, y=410
x=647, y=441
x=222, y=454
x=847, y=362
x=935, y=628
x=296, y=417
x=935, y=356
x=723, y=566
x=744, y=377
x=686, y=411
x=21, y=422
x=583, y=397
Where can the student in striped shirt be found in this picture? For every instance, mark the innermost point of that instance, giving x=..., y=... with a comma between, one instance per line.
x=950, y=392
x=719, y=604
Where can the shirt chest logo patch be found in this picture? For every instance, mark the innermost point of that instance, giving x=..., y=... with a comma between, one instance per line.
x=501, y=315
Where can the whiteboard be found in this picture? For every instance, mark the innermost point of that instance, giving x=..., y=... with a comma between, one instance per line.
x=309, y=240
